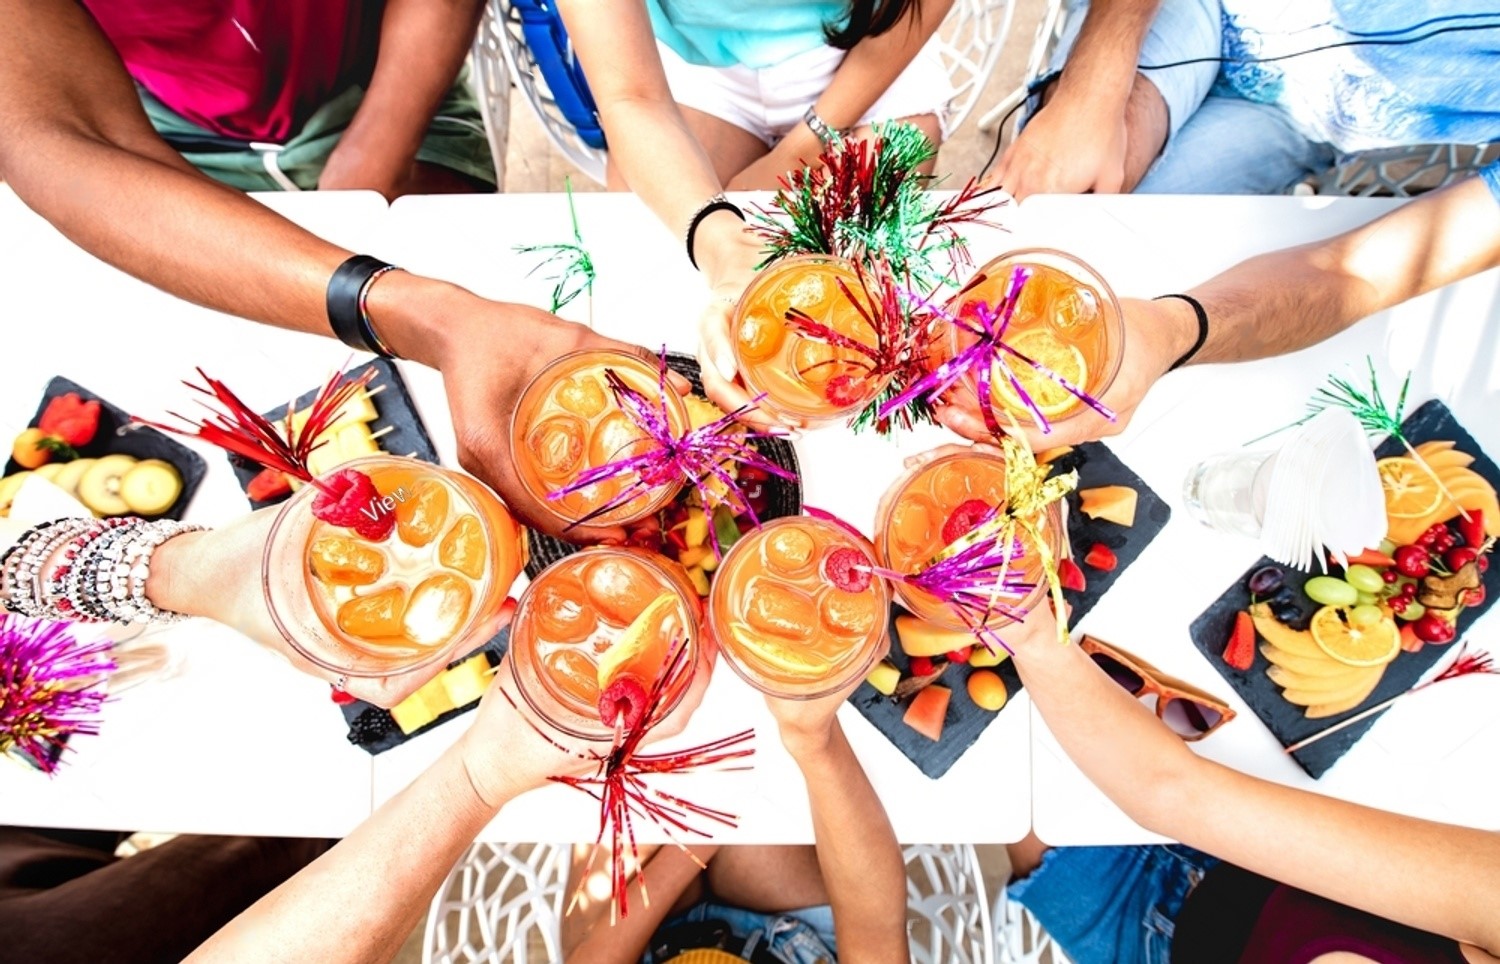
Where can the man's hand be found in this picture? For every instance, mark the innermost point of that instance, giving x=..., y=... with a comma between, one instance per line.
x=1156, y=335
x=357, y=166
x=1067, y=148
x=807, y=726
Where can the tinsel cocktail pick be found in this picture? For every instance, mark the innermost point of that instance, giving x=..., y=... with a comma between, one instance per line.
x=574, y=272
x=989, y=351
x=697, y=457
x=1468, y=663
x=619, y=783
x=51, y=688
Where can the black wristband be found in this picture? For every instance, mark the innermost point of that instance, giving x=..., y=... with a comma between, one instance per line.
x=345, y=300
x=716, y=203
x=1198, y=310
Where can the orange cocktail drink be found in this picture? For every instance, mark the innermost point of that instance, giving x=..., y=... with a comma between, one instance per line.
x=1067, y=319
x=593, y=634
x=943, y=501
x=364, y=607
x=802, y=375
x=795, y=609
x=569, y=421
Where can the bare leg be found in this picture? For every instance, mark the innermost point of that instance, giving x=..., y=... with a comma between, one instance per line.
x=767, y=879
x=729, y=148
x=593, y=907
x=926, y=123
x=1025, y=856
x=1146, y=127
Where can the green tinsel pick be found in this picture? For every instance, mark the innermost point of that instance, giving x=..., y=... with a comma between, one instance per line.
x=576, y=274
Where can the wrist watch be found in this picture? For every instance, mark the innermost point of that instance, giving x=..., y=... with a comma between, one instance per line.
x=826, y=135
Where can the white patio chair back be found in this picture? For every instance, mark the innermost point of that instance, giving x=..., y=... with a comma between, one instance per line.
x=971, y=37
x=504, y=903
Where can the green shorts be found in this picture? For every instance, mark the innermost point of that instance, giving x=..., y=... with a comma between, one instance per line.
x=455, y=140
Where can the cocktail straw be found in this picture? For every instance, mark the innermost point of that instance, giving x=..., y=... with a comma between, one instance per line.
x=1467, y=664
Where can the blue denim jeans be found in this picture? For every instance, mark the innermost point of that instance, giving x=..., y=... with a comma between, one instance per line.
x=1112, y=905
x=797, y=937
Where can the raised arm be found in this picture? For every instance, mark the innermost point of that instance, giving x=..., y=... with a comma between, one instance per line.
x=1080, y=141
x=1431, y=876
x=1286, y=300
x=422, y=47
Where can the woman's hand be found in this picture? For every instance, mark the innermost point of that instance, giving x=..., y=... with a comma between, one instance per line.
x=807, y=726
x=217, y=574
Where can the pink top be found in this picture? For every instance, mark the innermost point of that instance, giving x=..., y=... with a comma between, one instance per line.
x=247, y=69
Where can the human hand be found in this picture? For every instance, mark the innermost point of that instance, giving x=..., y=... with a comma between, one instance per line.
x=1156, y=335
x=1069, y=147
x=765, y=173
x=807, y=726
x=506, y=753
x=354, y=165
x=217, y=574
x=499, y=349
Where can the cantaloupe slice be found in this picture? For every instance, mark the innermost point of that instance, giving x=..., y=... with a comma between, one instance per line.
x=927, y=710
x=1321, y=711
x=1115, y=503
x=920, y=638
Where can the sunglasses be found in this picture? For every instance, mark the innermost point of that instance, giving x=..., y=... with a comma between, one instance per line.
x=1186, y=710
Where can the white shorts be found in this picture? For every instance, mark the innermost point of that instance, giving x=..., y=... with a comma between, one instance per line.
x=771, y=101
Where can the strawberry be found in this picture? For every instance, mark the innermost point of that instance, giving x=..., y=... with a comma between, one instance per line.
x=961, y=655
x=348, y=498
x=964, y=518
x=1240, y=653
x=1101, y=556
x=340, y=697
x=843, y=391
x=1472, y=528
x=624, y=697
x=1410, y=643
x=267, y=485
x=71, y=419
x=1071, y=576
x=847, y=569
x=921, y=666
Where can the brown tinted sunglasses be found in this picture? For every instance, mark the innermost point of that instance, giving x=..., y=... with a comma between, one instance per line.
x=1186, y=710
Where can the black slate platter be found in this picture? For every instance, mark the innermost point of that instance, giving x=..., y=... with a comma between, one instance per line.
x=373, y=730
x=1210, y=631
x=117, y=435
x=393, y=406
x=784, y=496
x=1097, y=465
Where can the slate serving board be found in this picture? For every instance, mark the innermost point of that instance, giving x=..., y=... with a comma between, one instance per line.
x=118, y=436
x=784, y=495
x=1210, y=631
x=1097, y=465
x=394, y=409
x=373, y=730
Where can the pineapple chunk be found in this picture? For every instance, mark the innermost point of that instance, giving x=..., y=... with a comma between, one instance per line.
x=1114, y=503
x=357, y=410
x=466, y=682
x=356, y=442
x=884, y=678
x=413, y=713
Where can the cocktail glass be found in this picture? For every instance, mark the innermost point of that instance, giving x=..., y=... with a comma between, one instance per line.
x=1068, y=320
x=781, y=619
x=568, y=421
x=802, y=376
x=909, y=532
x=369, y=609
x=576, y=610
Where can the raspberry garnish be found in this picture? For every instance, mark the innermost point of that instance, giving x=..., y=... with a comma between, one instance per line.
x=349, y=498
x=847, y=569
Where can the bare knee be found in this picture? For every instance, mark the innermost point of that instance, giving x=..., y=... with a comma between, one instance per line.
x=1146, y=126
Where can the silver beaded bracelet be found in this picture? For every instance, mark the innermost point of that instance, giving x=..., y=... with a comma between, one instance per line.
x=101, y=577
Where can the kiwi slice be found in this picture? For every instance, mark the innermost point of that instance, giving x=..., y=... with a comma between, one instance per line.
x=67, y=479
x=151, y=487
x=99, y=487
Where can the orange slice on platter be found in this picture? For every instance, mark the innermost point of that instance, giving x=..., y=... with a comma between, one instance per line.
x=1373, y=645
x=1410, y=490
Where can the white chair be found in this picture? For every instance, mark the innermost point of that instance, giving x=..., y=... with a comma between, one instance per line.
x=491, y=82
x=971, y=37
x=504, y=902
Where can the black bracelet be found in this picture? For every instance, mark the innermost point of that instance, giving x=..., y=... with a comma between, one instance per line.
x=1198, y=310
x=716, y=203
x=345, y=301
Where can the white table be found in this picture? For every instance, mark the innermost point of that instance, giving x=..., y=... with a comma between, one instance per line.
x=1431, y=756
x=648, y=293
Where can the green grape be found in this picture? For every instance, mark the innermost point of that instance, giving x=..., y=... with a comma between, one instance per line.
x=1413, y=611
x=1364, y=578
x=1330, y=591
x=1365, y=616
x=1367, y=598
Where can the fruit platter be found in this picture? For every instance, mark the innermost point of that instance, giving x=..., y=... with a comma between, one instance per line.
x=935, y=693
x=448, y=695
x=1309, y=650
x=91, y=450
x=379, y=418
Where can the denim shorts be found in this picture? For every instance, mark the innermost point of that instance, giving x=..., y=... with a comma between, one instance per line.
x=1112, y=905
x=797, y=937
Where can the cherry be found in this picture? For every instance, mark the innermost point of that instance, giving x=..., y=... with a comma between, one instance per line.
x=1389, y=575
x=1413, y=561
x=1474, y=597
x=1456, y=559
x=1431, y=628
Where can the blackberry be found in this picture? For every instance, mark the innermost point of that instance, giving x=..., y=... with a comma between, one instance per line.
x=371, y=726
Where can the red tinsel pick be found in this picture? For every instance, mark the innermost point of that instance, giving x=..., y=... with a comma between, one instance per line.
x=276, y=445
x=619, y=784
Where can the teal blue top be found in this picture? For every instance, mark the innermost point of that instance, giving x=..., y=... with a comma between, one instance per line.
x=746, y=33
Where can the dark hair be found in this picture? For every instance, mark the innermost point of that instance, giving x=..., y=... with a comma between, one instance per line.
x=869, y=18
